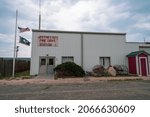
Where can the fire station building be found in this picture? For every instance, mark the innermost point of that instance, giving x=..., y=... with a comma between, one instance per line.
x=87, y=49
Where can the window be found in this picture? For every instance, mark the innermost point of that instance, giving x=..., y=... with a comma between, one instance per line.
x=51, y=61
x=43, y=61
x=67, y=59
x=105, y=61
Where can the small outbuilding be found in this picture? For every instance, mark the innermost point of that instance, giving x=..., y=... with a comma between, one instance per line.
x=138, y=63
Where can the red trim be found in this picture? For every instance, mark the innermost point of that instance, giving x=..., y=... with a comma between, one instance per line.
x=143, y=55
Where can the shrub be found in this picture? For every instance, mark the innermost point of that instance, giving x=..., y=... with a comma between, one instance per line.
x=121, y=69
x=69, y=69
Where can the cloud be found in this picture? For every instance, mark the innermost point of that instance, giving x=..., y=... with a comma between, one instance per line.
x=142, y=22
x=144, y=25
x=6, y=38
x=77, y=15
x=136, y=37
x=7, y=46
x=91, y=15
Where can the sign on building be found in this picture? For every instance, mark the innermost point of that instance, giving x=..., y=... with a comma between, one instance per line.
x=48, y=41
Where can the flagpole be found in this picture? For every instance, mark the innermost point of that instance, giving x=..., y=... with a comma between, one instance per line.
x=39, y=14
x=14, y=57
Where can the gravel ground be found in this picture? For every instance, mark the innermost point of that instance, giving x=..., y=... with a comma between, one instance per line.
x=75, y=89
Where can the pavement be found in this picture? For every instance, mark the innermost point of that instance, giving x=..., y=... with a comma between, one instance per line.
x=87, y=88
x=76, y=89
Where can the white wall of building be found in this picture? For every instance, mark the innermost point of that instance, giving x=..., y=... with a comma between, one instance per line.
x=68, y=45
x=95, y=45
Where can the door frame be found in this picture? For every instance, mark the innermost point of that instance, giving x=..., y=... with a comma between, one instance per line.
x=46, y=57
x=145, y=63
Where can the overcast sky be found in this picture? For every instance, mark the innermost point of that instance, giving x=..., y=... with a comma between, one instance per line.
x=127, y=16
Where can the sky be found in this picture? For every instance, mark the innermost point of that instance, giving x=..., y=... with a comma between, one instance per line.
x=126, y=16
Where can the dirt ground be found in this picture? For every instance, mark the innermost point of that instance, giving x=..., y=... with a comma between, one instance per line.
x=90, y=88
x=50, y=80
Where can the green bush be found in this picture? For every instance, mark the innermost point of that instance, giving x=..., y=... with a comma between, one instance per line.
x=69, y=69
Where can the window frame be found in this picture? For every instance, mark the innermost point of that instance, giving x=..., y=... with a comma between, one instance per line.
x=66, y=57
x=50, y=61
x=41, y=61
x=104, y=60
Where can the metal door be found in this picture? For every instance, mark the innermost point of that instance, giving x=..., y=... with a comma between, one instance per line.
x=42, y=69
x=46, y=65
x=50, y=65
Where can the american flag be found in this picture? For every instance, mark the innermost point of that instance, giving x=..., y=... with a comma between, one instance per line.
x=23, y=29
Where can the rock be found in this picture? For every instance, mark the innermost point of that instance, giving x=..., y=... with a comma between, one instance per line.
x=98, y=69
x=112, y=71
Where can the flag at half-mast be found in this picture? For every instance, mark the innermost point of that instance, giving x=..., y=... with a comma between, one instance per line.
x=24, y=41
x=23, y=29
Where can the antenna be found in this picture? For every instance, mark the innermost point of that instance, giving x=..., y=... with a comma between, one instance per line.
x=39, y=14
x=144, y=39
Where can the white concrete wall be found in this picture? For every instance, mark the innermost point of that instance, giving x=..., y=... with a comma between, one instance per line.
x=145, y=49
x=135, y=46
x=68, y=45
x=96, y=46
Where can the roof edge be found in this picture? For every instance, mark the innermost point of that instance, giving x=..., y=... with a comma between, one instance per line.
x=136, y=53
x=77, y=32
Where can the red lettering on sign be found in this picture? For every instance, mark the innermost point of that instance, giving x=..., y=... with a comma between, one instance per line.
x=48, y=40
